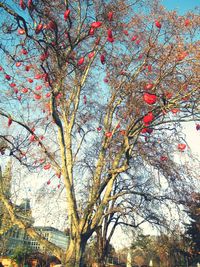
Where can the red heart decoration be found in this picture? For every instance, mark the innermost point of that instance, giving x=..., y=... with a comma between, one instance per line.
x=150, y=98
x=66, y=14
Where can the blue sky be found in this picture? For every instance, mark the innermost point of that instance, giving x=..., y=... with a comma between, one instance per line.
x=181, y=6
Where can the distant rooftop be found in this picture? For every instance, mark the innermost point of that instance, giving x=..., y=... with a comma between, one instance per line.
x=48, y=228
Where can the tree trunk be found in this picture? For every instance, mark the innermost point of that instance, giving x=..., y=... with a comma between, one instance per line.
x=101, y=257
x=74, y=256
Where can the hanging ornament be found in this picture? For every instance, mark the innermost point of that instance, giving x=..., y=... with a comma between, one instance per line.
x=58, y=174
x=134, y=38
x=91, y=54
x=185, y=98
x=187, y=23
x=30, y=80
x=24, y=51
x=32, y=138
x=148, y=86
x=12, y=85
x=168, y=95
x=138, y=41
x=149, y=67
x=181, y=147
x=122, y=132
x=150, y=98
x=197, y=127
x=85, y=99
x=110, y=15
x=109, y=33
x=118, y=126
x=59, y=95
x=147, y=130
x=163, y=158
x=148, y=118
x=21, y=31
x=9, y=121
x=47, y=166
x=66, y=14
x=182, y=56
x=81, y=61
x=46, y=77
x=108, y=134
x=39, y=28
x=91, y=31
x=18, y=64
x=7, y=77
x=175, y=110
x=158, y=24
x=27, y=68
x=44, y=56
x=25, y=90
x=41, y=160
x=38, y=87
x=97, y=41
x=125, y=32
x=99, y=128
x=48, y=95
x=38, y=76
x=37, y=97
x=111, y=40
x=96, y=24
x=22, y=5
x=30, y=5
x=103, y=59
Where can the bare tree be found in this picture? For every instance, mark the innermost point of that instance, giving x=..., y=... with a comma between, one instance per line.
x=90, y=88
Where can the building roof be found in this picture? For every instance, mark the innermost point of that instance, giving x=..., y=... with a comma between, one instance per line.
x=48, y=228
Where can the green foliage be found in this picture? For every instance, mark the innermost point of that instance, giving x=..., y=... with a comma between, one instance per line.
x=142, y=241
x=193, y=228
x=20, y=254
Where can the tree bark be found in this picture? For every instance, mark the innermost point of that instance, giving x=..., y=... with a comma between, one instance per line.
x=101, y=257
x=74, y=256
